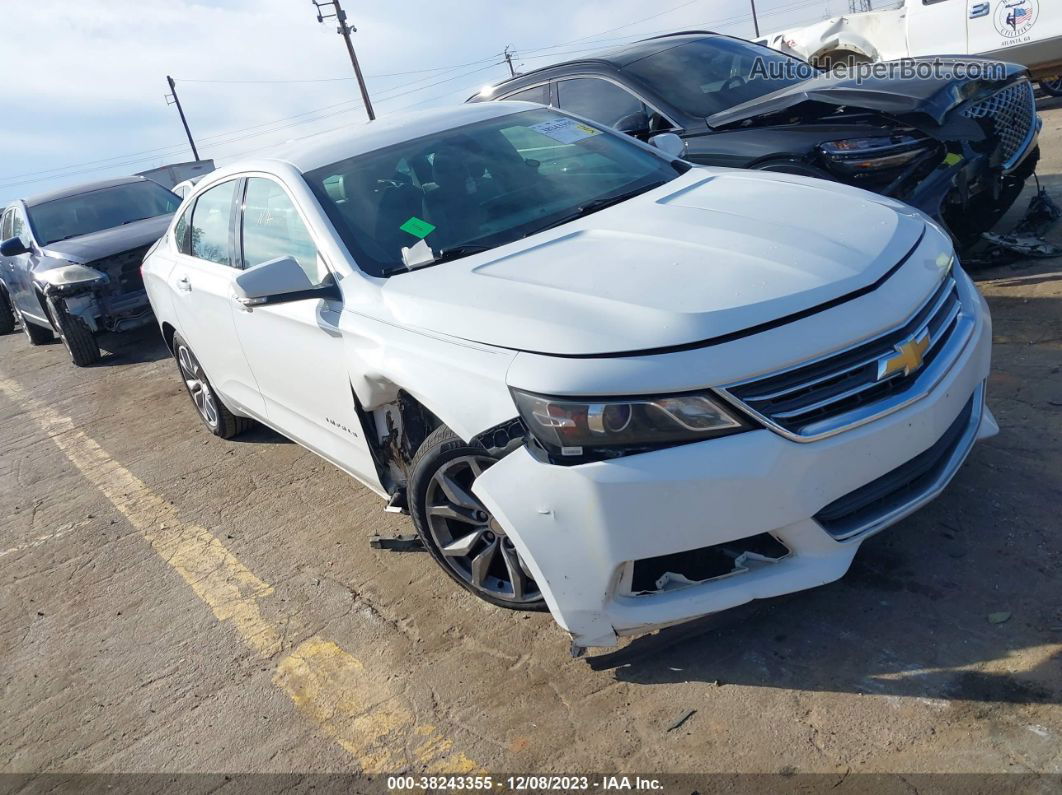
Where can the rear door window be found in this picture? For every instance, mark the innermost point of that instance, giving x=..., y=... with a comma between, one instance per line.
x=538, y=94
x=599, y=100
x=211, y=222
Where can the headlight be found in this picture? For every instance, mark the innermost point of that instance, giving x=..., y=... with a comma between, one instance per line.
x=854, y=156
x=594, y=429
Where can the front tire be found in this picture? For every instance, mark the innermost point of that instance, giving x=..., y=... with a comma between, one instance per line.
x=76, y=335
x=215, y=415
x=1052, y=86
x=458, y=530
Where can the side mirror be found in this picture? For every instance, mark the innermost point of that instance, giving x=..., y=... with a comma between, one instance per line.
x=633, y=123
x=278, y=281
x=12, y=247
x=670, y=144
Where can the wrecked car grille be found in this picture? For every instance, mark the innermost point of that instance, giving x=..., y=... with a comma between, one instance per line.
x=1012, y=113
x=850, y=388
x=124, y=270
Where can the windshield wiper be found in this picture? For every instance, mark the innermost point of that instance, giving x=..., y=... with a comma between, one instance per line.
x=134, y=220
x=596, y=205
x=445, y=255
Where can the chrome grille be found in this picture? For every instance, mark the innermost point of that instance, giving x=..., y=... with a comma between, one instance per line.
x=1012, y=113
x=124, y=270
x=839, y=391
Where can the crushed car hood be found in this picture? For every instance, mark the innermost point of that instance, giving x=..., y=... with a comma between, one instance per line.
x=916, y=101
x=712, y=253
x=108, y=242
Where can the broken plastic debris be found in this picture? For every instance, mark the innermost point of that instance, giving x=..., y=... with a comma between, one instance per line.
x=998, y=618
x=669, y=580
x=685, y=717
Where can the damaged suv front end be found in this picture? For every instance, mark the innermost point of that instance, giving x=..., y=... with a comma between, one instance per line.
x=72, y=267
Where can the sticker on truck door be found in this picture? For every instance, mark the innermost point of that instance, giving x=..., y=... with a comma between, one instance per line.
x=1015, y=18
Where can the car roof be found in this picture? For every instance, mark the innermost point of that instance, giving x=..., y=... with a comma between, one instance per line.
x=619, y=56
x=76, y=190
x=328, y=147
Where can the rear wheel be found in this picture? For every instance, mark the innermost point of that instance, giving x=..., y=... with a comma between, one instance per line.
x=7, y=314
x=457, y=529
x=74, y=332
x=1052, y=86
x=219, y=420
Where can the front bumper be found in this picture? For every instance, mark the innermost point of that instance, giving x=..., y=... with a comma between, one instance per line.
x=580, y=528
x=102, y=311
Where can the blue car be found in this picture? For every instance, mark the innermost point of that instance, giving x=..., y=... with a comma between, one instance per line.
x=70, y=261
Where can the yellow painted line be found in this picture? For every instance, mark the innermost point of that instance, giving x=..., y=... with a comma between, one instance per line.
x=352, y=706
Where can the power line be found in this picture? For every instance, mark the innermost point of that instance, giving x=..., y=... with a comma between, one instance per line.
x=450, y=68
x=227, y=137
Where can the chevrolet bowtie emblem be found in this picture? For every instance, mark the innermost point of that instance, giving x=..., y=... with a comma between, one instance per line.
x=907, y=359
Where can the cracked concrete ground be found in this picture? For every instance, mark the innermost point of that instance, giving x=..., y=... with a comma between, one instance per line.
x=172, y=602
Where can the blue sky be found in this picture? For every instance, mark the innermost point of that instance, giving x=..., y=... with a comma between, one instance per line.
x=83, y=82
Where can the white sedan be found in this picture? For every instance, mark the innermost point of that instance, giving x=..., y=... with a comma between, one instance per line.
x=600, y=380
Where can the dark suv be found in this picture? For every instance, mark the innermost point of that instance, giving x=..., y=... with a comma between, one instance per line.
x=960, y=149
x=70, y=261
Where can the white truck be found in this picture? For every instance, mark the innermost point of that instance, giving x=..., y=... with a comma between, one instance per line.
x=1028, y=32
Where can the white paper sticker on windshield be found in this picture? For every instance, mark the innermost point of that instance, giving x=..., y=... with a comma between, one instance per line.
x=566, y=131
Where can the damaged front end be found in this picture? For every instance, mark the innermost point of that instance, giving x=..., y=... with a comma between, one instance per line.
x=960, y=151
x=107, y=294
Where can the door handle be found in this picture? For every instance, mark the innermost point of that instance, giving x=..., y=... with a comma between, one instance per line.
x=184, y=285
x=980, y=10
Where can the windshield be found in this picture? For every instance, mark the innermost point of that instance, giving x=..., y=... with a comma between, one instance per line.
x=90, y=212
x=478, y=186
x=713, y=74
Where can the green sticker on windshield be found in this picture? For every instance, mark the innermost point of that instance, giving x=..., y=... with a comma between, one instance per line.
x=417, y=227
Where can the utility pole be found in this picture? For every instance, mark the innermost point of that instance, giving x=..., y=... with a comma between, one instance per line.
x=755, y=20
x=859, y=6
x=345, y=30
x=177, y=101
x=509, y=59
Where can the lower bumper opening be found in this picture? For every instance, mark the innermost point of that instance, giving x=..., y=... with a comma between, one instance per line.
x=859, y=509
x=653, y=575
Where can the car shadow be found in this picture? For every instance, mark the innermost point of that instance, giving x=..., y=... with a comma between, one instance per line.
x=957, y=603
x=138, y=346
x=261, y=434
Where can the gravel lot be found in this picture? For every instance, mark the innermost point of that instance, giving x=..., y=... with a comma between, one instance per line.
x=172, y=602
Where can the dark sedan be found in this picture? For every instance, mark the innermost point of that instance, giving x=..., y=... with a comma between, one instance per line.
x=70, y=261
x=960, y=149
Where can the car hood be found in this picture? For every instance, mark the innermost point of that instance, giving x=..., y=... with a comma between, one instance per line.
x=916, y=101
x=712, y=253
x=108, y=242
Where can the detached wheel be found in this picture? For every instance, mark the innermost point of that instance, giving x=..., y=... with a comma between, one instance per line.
x=1052, y=86
x=457, y=529
x=214, y=414
x=7, y=314
x=76, y=336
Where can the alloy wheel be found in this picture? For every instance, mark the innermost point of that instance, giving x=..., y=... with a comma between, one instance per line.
x=472, y=541
x=198, y=386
